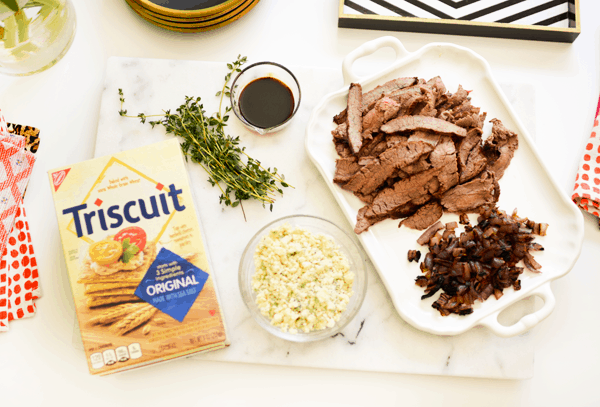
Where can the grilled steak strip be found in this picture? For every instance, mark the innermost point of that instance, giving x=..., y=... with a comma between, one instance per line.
x=417, y=189
x=345, y=168
x=341, y=132
x=500, y=148
x=471, y=160
x=374, y=95
x=384, y=110
x=369, y=98
x=426, y=216
x=355, y=117
x=470, y=196
x=363, y=223
x=476, y=162
x=374, y=175
x=425, y=136
x=412, y=123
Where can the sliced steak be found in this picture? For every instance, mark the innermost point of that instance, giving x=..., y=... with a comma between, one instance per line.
x=448, y=176
x=345, y=168
x=373, y=147
x=443, y=153
x=464, y=115
x=466, y=145
x=374, y=95
x=407, y=98
x=470, y=120
x=426, y=216
x=408, y=209
x=342, y=148
x=411, y=150
x=362, y=161
x=374, y=175
x=437, y=86
x=394, y=139
x=371, y=97
x=471, y=195
x=412, y=103
x=471, y=160
x=412, y=123
x=363, y=222
x=458, y=98
x=405, y=153
x=426, y=107
x=500, y=148
x=365, y=198
x=422, y=164
x=340, y=117
x=384, y=110
x=417, y=189
x=476, y=162
x=341, y=132
x=425, y=136
x=355, y=117
x=442, y=156
x=482, y=117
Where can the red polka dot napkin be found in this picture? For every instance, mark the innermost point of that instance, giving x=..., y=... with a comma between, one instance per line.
x=19, y=267
x=19, y=285
x=586, y=193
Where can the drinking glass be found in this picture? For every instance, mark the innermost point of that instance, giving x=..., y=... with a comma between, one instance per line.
x=34, y=34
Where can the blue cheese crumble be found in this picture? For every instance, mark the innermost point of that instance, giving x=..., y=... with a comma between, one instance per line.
x=302, y=280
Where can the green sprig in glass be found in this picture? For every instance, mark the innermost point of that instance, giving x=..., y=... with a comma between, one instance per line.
x=34, y=34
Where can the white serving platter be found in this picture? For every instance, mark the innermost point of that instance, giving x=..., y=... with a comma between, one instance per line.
x=526, y=185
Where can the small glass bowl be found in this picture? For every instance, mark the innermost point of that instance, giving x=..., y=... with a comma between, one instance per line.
x=264, y=70
x=314, y=225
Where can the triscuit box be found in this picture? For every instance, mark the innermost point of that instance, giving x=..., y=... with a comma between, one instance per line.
x=139, y=272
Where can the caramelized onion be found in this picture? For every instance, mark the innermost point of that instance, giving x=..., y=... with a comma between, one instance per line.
x=481, y=262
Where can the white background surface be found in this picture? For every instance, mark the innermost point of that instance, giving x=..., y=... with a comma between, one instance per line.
x=38, y=365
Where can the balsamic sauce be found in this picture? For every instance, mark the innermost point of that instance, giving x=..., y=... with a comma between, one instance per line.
x=266, y=102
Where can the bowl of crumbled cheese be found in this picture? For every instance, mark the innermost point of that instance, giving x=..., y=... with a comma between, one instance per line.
x=303, y=278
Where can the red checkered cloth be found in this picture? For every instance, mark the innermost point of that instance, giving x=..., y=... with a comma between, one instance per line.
x=586, y=193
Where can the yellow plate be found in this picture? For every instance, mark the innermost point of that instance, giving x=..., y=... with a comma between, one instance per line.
x=230, y=6
x=197, y=27
x=212, y=20
x=185, y=26
x=150, y=6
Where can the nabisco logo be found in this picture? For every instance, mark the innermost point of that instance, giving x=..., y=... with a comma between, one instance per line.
x=58, y=177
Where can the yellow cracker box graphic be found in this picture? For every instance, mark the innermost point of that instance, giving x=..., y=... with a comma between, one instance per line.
x=139, y=273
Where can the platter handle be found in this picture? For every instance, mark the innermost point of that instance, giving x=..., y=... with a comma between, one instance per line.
x=367, y=49
x=528, y=321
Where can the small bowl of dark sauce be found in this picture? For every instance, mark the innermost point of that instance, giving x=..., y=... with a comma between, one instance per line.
x=265, y=97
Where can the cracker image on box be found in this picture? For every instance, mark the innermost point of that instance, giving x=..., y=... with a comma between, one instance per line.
x=139, y=272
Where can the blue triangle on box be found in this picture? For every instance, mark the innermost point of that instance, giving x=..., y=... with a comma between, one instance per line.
x=171, y=284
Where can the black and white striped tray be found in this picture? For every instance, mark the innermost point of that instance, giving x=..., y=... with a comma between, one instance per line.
x=544, y=20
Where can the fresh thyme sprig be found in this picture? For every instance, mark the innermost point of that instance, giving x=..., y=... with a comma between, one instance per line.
x=235, y=173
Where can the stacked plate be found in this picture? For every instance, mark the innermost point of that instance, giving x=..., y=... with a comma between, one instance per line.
x=191, y=15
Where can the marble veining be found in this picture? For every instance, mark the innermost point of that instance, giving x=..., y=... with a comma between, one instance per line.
x=385, y=342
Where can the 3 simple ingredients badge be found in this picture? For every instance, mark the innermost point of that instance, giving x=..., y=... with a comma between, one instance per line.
x=172, y=284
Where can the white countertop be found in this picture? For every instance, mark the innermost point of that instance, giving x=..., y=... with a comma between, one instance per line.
x=38, y=363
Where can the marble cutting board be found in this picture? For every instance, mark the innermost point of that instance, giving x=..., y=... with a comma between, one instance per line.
x=377, y=339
